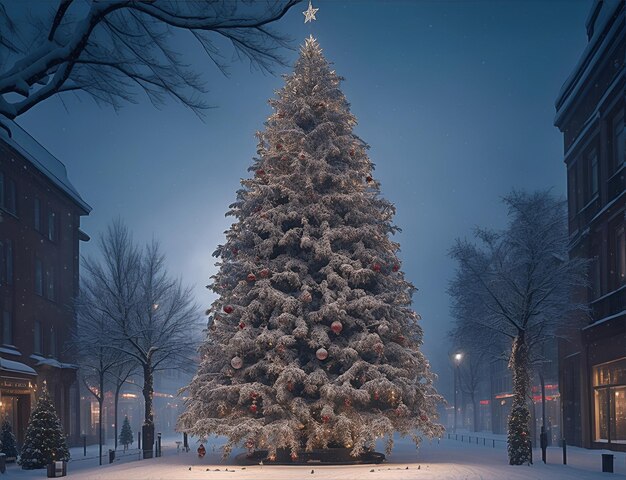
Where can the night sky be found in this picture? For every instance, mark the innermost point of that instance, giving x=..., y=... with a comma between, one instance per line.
x=456, y=100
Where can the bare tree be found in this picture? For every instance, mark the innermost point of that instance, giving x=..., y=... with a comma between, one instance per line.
x=160, y=335
x=112, y=50
x=518, y=285
x=151, y=317
x=96, y=359
x=120, y=373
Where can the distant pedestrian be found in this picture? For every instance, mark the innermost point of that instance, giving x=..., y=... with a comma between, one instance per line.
x=201, y=451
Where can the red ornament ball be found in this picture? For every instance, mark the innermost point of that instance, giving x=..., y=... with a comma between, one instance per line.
x=325, y=418
x=336, y=327
x=251, y=277
x=376, y=267
x=242, y=325
x=321, y=354
x=260, y=172
x=279, y=146
x=284, y=158
x=228, y=308
x=396, y=267
x=253, y=408
x=423, y=418
x=352, y=152
x=399, y=412
x=264, y=273
x=347, y=402
x=369, y=179
x=376, y=396
x=294, y=456
x=306, y=297
x=254, y=395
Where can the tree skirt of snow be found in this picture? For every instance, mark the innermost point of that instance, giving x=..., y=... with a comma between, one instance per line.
x=448, y=459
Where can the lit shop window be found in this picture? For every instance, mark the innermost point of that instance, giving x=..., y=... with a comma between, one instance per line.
x=609, y=382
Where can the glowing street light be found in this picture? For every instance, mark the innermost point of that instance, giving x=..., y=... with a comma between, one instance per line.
x=458, y=356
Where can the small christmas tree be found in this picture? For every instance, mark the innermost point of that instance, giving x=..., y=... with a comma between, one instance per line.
x=45, y=441
x=7, y=439
x=126, y=435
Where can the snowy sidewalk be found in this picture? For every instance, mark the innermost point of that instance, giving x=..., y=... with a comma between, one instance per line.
x=448, y=459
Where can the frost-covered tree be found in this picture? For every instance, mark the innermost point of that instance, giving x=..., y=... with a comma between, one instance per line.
x=45, y=441
x=518, y=284
x=7, y=441
x=126, y=435
x=115, y=49
x=313, y=343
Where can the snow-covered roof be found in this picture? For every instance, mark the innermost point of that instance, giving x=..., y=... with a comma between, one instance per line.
x=51, y=362
x=600, y=19
x=41, y=159
x=16, y=367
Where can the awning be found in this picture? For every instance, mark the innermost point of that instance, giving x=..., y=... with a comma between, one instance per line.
x=16, y=367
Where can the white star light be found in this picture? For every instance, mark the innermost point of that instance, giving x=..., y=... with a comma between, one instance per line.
x=309, y=13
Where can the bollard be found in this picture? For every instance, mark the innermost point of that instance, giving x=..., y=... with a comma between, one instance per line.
x=461, y=438
x=185, y=442
x=84, y=445
x=607, y=462
x=543, y=440
x=564, y=451
x=159, y=442
x=111, y=455
x=476, y=440
x=139, y=440
x=493, y=441
x=531, y=451
x=484, y=442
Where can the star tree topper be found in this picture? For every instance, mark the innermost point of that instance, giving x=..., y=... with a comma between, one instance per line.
x=309, y=13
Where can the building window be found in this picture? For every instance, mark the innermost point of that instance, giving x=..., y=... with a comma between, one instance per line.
x=37, y=340
x=8, y=261
x=52, y=226
x=50, y=283
x=620, y=256
x=618, y=141
x=37, y=214
x=53, y=343
x=7, y=328
x=609, y=384
x=38, y=277
x=8, y=194
x=596, y=277
x=571, y=191
x=592, y=165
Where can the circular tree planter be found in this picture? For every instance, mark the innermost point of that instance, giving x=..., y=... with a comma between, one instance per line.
x=319, y=456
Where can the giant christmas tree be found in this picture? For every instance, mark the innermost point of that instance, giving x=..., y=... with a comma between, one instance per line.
x=313, y=343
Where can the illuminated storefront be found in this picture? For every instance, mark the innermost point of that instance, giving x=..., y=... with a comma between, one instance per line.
x=609, y=401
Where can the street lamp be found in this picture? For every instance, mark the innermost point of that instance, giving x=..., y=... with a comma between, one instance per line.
x=457, y=361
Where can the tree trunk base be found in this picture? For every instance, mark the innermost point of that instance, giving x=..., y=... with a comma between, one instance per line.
x=325, y=456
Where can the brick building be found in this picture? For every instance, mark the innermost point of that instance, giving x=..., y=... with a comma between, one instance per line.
x=39, y=262
x=590, y=113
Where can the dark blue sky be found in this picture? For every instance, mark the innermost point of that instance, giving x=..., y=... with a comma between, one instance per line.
x=455, y=98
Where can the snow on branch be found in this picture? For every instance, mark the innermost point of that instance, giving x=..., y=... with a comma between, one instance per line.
x=116, y=49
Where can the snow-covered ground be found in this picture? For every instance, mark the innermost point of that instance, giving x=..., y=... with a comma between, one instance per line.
x=447, y=459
